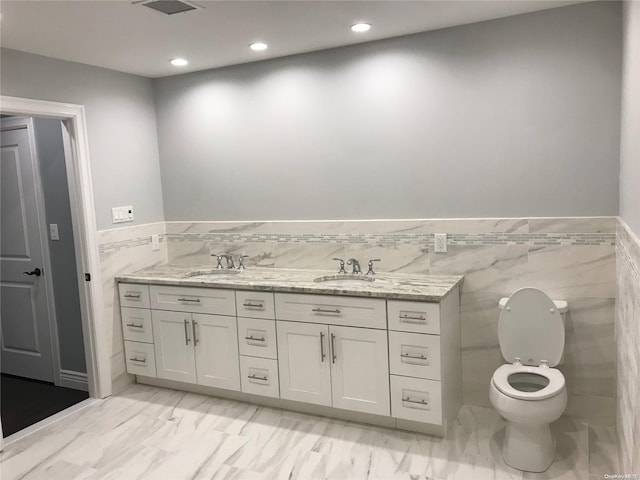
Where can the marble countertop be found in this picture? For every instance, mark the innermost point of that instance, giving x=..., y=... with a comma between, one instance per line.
x=399, y=286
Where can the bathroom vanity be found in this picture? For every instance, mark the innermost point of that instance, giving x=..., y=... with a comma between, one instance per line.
x=385, y=352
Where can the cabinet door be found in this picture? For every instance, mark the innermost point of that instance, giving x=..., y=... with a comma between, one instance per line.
x=173, y=343
x=303, y=360
x=216, y=347
x=360, y=369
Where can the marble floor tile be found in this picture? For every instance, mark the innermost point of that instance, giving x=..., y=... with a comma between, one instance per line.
x=154, y=433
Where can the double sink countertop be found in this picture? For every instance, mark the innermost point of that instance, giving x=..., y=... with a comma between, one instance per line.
x=395, y=286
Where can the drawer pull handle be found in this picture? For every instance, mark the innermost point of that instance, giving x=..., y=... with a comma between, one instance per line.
x=419, y=402
x=131, y=295
x=136, y=359
x=417, y=357
x=193, y=300
x=250, y=304
x=255, y=339
x=134, y=325
x=257, y=377
x=335, y=311
x=412, y=319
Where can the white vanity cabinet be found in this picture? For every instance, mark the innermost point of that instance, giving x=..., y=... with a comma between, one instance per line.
x=304, y=362
x=424, y=360
x=359, y=369
x=389, y=362
x=196, y=348
x=333, y=365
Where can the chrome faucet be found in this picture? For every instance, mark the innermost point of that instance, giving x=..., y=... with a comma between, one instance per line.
x=228, y=258
x=370, y=271
x=241, y=262
x=342, y=270
x=356, y=265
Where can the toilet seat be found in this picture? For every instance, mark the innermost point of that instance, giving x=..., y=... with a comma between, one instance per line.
x=556, y=381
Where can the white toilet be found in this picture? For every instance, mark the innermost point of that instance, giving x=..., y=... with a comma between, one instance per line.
x=528, y=391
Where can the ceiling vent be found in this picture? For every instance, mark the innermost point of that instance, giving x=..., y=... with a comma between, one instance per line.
x=168, y=7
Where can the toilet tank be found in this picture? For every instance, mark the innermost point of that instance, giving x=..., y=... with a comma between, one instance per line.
x=562, y=307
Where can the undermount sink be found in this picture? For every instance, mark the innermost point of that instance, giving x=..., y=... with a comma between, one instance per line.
x=344, y=280
x=213, y=272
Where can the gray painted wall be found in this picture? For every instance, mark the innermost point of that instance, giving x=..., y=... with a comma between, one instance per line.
x=53, y=172
x=630, y=134
x=511, y=117
x=121, y=126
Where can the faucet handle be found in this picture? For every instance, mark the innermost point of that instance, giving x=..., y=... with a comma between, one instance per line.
x=219, y=257
x=241, y=261
x=342, y=270
x=370, y=271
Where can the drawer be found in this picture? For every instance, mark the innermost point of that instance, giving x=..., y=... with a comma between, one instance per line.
x=419, y=317
x=140, y=358
x=334, y=310
x=197, y=300
x=259, y=376
x=416, y=399
x=134, y=295
x=136, y=324
x=257, y=338
x=255, y=304
x=414, y=355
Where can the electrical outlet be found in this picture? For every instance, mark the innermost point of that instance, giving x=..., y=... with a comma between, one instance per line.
x=440, y=243
x=122, y=214
x=155, y=242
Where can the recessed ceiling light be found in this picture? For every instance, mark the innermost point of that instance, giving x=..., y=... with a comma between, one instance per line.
x=258, y=46
x=360, y=27
x=178, y=62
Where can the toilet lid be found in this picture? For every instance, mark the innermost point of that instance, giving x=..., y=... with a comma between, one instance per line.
x=531, y=328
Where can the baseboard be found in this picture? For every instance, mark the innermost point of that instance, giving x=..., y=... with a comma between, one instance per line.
x=75, y=380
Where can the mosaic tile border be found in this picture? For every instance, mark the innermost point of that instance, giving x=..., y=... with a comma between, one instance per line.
x=139, y=241
x=529, y=239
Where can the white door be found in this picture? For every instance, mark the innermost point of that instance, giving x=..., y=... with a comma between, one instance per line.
x=360, y=369
x=216, y=343
x=173, y=343
x=25, y=335
x=303, y=362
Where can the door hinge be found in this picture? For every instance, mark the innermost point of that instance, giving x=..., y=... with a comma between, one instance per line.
x=87, y=277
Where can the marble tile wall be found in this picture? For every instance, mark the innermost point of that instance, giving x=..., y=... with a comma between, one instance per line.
x=124, y=250
x=628, y=348
x=569, y=258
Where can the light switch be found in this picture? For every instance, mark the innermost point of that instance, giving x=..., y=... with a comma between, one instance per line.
x=122, y=214
x=155, y=242
x=53, y=231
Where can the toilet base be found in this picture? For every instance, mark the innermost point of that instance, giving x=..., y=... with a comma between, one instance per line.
x=530, y=448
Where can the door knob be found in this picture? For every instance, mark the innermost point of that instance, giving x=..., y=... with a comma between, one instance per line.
x=36, y=271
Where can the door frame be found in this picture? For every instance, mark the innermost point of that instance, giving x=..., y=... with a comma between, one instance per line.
x=84, y=230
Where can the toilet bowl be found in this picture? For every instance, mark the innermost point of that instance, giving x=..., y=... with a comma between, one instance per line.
x=528, y=392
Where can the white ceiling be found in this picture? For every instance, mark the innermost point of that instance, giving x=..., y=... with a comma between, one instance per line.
x=128, y=37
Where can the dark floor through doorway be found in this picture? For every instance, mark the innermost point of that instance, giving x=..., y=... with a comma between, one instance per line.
x=24, y=402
